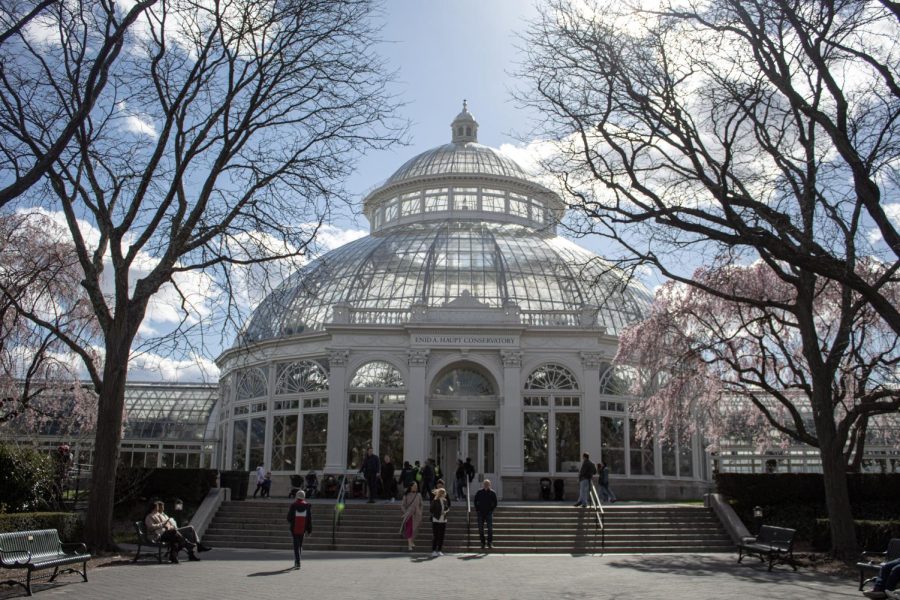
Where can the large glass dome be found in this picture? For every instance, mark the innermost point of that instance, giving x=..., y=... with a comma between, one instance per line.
x=437, y=238
x=435, y=263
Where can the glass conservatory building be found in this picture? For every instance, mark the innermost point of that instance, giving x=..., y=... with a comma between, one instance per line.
x=462, y=326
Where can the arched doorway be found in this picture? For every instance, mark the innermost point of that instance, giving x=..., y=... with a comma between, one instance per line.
x=464, y=422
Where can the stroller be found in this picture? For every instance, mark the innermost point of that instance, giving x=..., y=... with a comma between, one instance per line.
x=312, y=484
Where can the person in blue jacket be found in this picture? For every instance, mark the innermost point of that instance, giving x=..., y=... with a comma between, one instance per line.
x=300, y=519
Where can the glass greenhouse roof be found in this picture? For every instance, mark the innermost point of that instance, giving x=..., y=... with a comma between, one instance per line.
x=458, y=158
x=167, y=411
x=434, y=263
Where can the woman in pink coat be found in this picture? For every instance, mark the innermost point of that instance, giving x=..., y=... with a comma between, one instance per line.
x=411, y=505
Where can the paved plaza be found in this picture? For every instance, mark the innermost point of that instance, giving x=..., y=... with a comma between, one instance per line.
x=230, y=574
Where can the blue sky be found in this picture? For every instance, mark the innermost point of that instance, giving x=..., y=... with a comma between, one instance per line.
x=445, y=52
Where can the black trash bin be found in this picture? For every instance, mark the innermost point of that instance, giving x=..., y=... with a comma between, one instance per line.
x=545, y=488
x=559, y=489
x=237, y=482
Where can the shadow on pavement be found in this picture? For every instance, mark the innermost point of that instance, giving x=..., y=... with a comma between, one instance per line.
x=269, y=573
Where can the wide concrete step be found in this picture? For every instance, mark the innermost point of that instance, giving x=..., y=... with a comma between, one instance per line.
x=517, y=529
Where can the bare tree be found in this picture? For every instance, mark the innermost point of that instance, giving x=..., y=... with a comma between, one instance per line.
x=726, y=130
x=31, y=136
x=220, y=141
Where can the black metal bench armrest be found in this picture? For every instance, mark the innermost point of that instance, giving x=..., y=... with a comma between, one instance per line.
x=15, y=563
x=865, y=554
x=74, y=547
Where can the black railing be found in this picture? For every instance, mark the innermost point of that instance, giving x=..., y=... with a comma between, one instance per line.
x=338, y=508
x=599, y=514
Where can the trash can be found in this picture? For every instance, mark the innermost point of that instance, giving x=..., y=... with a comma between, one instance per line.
x=559, y=489
x=237, y=482
x=545, y=488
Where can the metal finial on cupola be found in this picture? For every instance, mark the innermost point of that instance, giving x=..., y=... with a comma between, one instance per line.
x=464, y=127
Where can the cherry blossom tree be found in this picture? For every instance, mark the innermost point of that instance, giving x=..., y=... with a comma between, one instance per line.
x=726, y=367
x=41, y=296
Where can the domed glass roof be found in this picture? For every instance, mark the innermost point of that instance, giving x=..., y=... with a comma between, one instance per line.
x=458, y=158
x=437, y=262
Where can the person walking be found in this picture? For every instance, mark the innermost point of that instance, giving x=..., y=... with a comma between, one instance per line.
x=606, y=494
x=439, y=509
x=299, y=517
x=411, y=505
x=585, y=475
x=460, y=487
x=371, y=468
x=428, y=478
x=407, y=475
x=485, y=503
x=260, y=479
x=388, y=483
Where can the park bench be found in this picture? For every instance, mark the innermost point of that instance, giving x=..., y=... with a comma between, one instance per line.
x=773, y=544
x=867, y=565
x=145, y=540
x=40, y=549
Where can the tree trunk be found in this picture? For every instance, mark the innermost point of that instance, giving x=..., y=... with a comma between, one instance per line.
x=98, y=523
x=837, y=497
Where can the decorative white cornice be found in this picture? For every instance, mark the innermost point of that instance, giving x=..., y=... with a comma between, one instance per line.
x=592, y=360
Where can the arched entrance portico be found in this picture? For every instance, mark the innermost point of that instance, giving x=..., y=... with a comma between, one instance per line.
x=463, y=423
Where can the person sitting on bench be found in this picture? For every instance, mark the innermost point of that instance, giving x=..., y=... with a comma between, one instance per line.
x=162, y=528
x=888, y=578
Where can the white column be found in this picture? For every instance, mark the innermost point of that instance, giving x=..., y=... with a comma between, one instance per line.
x=415, y=422
x=336, y=447
x=511, y=436
x=590, y=404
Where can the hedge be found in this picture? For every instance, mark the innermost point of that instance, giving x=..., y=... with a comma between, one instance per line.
x=27, y=479
x=136, y=486
x=797, y=500
x=871, y=535
x=67, y=524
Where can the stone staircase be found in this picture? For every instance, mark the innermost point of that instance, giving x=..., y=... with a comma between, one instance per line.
x=518, y=528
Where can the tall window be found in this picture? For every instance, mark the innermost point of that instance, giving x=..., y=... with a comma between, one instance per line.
x=612, y=440
x=239, y=446
x=315, y=437
x=257, y=442
x=284, y=442
x=377, y=399
x=640, y=451
x=552, y=420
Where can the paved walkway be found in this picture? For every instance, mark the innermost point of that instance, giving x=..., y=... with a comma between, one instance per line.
x=232, y=574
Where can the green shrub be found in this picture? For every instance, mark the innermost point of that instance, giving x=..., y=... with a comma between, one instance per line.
x=67, y=524
x=797, y=500
x=26, y=479
x=137, y=486
x=871, y=535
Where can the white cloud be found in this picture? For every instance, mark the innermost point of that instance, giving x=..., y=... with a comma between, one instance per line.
x=154, y=367
x=139, y=126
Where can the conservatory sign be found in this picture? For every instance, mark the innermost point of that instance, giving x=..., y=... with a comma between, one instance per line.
x=468, y=340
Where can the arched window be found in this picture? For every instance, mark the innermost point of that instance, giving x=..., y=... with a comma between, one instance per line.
x=463, y=381
x=376, y=417
x=468, y=130
x=377, y=374
x=301, y=377
x=251, y=383
x=552, y=420
x=616, y=380
x=551, y=377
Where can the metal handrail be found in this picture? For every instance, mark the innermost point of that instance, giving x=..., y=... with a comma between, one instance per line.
x=597, y=505
x=468, y=515
x=336, y=516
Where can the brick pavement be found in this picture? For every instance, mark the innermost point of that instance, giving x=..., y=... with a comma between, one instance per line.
x=231, y=574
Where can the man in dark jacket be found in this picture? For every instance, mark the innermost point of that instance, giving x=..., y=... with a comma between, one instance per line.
x=585, y=475
x=428, y=479
x=300, y=518
x=485, y=503
x=371, y=467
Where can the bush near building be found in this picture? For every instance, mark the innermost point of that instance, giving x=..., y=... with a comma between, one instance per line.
x=67, y=524
x=26, y=479
x=138, y=485
x=797, y=500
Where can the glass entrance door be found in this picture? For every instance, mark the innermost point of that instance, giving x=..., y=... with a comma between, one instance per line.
x=481, y=448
